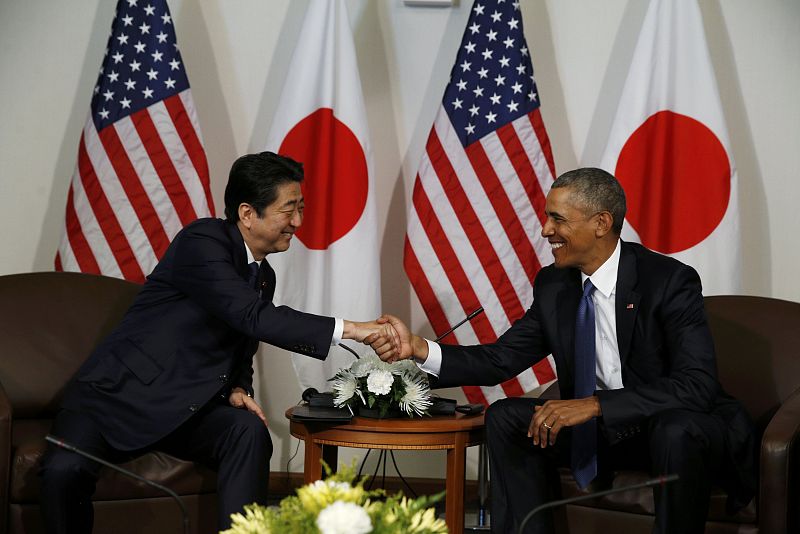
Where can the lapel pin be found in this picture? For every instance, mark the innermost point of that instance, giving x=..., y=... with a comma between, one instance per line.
x=629, y=306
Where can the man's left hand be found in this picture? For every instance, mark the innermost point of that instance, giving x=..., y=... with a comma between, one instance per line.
x=549, y=418
x=240, y=399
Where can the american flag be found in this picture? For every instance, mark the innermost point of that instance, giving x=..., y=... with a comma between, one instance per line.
x=142, y=172
x=474, y=232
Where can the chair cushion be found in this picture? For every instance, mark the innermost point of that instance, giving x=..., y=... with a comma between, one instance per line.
x=641, y=501
x=28, y=447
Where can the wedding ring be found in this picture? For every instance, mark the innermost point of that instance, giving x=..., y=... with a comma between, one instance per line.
x=548, y=427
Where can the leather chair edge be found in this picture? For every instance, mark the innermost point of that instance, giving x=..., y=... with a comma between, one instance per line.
x=778, y=446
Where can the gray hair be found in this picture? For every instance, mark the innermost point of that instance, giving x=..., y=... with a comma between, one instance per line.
x=597, y=190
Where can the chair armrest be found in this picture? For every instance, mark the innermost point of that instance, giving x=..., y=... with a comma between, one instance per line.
x=6, y=415
x=778, y=463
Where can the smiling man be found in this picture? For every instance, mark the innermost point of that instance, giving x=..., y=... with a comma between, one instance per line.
x=636, y=370
x=176, y=374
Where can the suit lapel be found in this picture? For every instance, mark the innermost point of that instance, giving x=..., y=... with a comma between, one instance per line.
x=239, y=252
x=566, y=308
x=266, y=280
x=627, y=301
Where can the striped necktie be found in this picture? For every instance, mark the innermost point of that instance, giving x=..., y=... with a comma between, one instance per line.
x=584, y=436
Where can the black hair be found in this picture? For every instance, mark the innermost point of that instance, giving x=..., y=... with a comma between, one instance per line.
x=598, y=191
x=254, y=179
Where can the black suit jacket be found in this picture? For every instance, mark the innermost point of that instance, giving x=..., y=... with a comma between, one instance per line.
x=665, y=345
x=189, y=337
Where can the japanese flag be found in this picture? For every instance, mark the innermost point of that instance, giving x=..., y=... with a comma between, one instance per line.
x=669, y=148
x=332, y=267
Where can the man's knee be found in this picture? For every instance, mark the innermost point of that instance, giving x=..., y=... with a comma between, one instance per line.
x=250, y=431
x=507, y=418
x=674, y=435
x=65, y=471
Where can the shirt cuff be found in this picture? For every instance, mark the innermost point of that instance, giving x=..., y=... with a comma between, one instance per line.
x=338, y=330
x=433, y=364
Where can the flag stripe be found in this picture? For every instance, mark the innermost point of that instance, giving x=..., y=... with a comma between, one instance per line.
x=453, y=269
x=82, y=251
x=148, y=217
x=447, y=297
x=164, y=169
x=494, y=227
x=145, y=171
x=425, y=292
x=181, y=109
x=105, y=217
x=523, y=168
x=92, y=232
x=498, y=196
x=512, y=388
x=472, y=226
x=544, y=141
x=544, y=370
x=464, y=253
x=178, y=155
x=132, y=232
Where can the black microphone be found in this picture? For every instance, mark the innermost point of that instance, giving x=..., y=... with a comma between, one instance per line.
x=72, y=448
x=351, y=351
x=660, y=481
x=464, y=320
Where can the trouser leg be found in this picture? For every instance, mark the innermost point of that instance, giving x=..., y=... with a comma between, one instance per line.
x=68, y=480
x=522, y=476
x=237, y=445
x=690, y=445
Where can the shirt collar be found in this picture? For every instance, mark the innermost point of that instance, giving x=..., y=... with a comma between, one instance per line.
x=605, y=277
x=250, y=257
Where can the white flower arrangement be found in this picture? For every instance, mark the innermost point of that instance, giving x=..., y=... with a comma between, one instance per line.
x=340, y=505
x=375, y=384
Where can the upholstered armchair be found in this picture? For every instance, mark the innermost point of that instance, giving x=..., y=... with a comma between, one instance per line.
x=49, y=323
x=757, y=341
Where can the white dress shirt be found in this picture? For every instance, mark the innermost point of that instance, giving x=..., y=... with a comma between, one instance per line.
x=609, y=368
x=338, y=328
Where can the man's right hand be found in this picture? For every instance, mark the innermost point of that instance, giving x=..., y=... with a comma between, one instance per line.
x=410, y=345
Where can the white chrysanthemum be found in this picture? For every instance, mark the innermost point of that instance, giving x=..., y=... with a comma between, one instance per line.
x=380, y=382
x=365, y=365
x=344, y=518
x=404, y=366
x=417, y=397
x=344, y=386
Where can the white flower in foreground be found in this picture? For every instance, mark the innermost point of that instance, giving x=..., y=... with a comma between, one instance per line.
x=344, y=518
x=365, y=365
x=404, y=366
x=380, y=382
x=344, y=387
x=417, y=397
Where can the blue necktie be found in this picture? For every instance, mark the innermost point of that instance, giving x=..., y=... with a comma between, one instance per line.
x=584, y=436
x=253, y=279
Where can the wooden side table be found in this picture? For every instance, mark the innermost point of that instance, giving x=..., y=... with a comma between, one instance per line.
x=451, y=433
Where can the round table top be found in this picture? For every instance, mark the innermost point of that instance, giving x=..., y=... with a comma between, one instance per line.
x=427, y=424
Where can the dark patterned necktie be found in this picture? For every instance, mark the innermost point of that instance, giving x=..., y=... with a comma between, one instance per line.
x=252, y=281
x=584, y=436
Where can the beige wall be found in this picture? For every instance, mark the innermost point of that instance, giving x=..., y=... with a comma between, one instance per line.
x=237, y=52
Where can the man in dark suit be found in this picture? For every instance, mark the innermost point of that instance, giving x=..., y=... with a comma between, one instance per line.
x=176, y=373
x=636, y=369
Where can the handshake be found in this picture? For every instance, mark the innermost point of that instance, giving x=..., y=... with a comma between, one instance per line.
x=389, y=337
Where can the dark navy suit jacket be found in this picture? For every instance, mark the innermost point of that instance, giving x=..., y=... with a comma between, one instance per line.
x=665, y=345
x=188, y=338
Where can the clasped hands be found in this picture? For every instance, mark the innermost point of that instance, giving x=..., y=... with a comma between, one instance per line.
x=388, y=336
x=398, y=343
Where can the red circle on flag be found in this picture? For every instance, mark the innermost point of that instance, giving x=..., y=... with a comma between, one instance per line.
x=336, y=177
x=677, y=181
